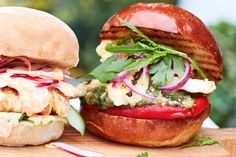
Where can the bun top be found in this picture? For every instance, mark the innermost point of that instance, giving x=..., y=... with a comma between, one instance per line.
x=37, y=35
x=172, y=26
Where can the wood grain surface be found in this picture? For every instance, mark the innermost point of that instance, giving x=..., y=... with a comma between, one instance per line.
x=111, y=149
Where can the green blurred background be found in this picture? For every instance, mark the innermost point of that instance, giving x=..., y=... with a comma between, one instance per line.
x=86, y=18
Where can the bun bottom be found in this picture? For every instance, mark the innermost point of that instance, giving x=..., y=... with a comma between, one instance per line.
x=33, y=135
x=143, y=132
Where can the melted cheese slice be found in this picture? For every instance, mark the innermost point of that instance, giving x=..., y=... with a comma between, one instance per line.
x=199, y=86
x=119, y=96
x=102, y=52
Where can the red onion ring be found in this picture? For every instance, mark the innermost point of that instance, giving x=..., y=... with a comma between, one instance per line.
x=4, y=60
x=25, y=61
x=179, y=83
x=121, y=76
x=40, y=82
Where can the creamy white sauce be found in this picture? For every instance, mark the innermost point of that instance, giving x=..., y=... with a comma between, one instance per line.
x=55, y=74
x=32, y=99
x=9, y=120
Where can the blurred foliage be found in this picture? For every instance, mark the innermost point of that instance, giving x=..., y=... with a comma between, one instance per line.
x=86, y=18
x=223, y=100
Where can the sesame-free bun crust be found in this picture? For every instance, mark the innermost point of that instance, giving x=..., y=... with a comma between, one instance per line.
x=37, y=35
x=143, y=132
x=171, y=26
x=24, y=134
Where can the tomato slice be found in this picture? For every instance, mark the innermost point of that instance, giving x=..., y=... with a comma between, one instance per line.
x=157, y=111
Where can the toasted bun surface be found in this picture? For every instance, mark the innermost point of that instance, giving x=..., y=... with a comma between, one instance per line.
x=27, y=134
x=37, y=35
x=172, y=26
x=143, y=132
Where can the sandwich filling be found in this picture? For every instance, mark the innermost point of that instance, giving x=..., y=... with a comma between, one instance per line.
x=136, y=71
x=34, y=90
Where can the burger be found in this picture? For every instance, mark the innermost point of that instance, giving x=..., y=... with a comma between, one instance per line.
x=158, y=65
x=36, y=51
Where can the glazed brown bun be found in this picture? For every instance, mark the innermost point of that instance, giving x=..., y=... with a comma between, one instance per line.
x=175, y=27
x=37, y=35
x=171, y=26
x=143, y=132
x=42, y=38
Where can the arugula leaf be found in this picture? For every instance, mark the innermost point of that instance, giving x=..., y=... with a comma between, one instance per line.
x=133, y=48
x=134, y=29
x=170, y=60
x=159, y=47
x=143, y=62
x=106, y=71
x=201, y=140
x=144, y=154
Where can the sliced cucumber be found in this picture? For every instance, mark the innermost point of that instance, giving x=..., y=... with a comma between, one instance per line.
x=75, y=120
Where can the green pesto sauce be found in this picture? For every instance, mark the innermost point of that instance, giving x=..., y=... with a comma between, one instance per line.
x=99, y=96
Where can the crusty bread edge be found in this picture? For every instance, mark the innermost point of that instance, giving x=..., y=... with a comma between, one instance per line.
x=22, y=135
x=143, y=132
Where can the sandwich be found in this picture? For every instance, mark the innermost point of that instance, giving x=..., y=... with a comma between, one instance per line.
x=36, y=51
x=158, y=65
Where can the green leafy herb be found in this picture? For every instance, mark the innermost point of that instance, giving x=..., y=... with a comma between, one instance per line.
x=129, y=50
x=24, y=118
x=143, y=62
x=108, y=69
x=145, y=154
x=165, y=70
x=201, y=140
x=170, y=60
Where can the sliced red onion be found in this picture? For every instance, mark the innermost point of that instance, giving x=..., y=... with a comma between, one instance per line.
x=40, y=82
x=179, y=83
x=137, y=91
x=121, y=76
x=6, y=60
x=25, y=60
x=145, y=71
x=76, y=151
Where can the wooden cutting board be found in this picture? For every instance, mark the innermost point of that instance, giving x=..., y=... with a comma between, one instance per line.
x=111, y=149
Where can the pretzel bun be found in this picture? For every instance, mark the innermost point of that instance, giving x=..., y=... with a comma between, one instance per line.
x=37, y=35
x=171, y=26
x=143, y=132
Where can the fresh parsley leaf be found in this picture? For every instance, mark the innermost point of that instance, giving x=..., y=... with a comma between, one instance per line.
x=108, y=69
x=201, y=140
x=165, y=70
x=144, y=154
